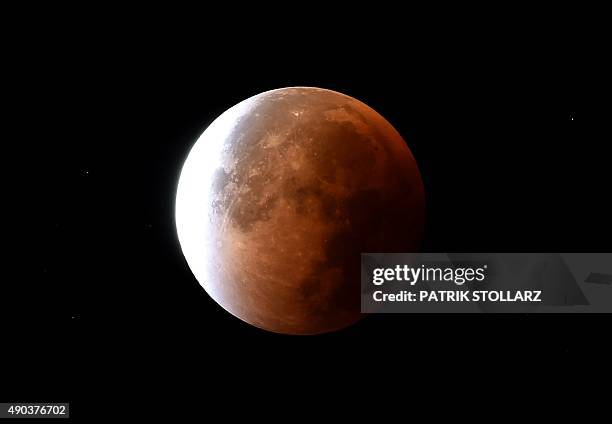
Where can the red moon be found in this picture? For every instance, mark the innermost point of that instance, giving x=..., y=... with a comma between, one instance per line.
x=280, y=196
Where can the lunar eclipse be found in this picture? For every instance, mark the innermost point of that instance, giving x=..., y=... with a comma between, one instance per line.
x=279, y=197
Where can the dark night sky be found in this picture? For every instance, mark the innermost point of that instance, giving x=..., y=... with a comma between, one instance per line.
x=511, y=148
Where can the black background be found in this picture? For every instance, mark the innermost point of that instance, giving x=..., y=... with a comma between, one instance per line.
x=110, y=119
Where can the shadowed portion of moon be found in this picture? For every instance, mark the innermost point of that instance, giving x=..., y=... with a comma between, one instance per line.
x=281, y=195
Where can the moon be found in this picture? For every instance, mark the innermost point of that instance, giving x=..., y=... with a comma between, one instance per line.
x=279, y=197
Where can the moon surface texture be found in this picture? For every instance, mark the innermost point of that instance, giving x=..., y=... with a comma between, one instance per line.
x=279, y=197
